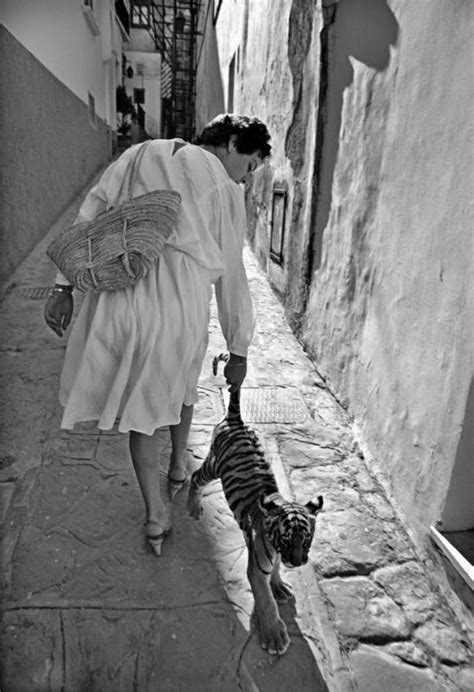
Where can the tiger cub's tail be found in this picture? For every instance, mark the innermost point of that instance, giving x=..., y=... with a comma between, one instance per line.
x=233, y=409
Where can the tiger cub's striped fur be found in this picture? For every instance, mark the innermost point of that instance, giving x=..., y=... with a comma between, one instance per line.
x=275, y=529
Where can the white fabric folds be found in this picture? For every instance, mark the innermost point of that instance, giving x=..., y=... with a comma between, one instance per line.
x=136, y=354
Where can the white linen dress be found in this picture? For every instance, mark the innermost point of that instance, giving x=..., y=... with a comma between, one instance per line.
x=136, y=354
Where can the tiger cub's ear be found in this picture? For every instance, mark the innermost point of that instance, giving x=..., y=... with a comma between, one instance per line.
x=315, y=507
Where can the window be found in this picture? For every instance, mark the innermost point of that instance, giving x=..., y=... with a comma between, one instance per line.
x=92, y=113
x=140, y=67
x=123, y=16
x=166, y=80
x=454, y=533
x=88, y=12
x=140, y=14
x=139, y=96
x=277, y=238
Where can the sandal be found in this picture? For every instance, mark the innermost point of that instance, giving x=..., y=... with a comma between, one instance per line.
x=175, y=486
x=155, y=540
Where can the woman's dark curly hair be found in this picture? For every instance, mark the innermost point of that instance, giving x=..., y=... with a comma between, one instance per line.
x=251, y=134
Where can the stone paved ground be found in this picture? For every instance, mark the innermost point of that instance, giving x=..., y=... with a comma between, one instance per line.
x=87, y=607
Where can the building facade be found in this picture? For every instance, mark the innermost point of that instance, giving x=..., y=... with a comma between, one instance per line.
x=363, y=218
x=61, y=64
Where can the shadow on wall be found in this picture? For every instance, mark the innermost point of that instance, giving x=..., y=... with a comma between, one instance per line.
x=50, y=151
x=300, y=31
x=360, y=29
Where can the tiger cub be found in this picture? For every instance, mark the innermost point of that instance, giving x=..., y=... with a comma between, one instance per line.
x=275, y=530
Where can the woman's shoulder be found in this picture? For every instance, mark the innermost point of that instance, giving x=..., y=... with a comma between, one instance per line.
x=180, y=153
x=207, y=171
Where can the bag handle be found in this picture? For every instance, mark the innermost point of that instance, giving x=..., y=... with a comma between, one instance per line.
x=133, y=172
x=135, y=166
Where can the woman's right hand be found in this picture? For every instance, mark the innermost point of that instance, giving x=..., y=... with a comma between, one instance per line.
x=58, y=311
x=235, y=371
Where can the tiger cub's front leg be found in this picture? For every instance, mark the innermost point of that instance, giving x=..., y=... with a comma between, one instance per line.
x=262, y=561
x=200, y=478
x=280, y=590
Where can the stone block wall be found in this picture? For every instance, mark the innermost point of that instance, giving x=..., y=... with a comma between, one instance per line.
x=49, y=148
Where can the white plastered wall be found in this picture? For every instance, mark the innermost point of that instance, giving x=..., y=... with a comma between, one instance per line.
x=57, y=33
x=390, y=319
x=390, y=316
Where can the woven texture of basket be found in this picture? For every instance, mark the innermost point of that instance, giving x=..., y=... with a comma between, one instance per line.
x=120, y=246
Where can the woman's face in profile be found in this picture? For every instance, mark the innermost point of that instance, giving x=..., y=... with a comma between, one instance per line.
x=240, y=166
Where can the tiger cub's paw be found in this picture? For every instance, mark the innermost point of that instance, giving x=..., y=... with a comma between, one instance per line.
x=281, y=591
x=274, y=638
x=194, y=505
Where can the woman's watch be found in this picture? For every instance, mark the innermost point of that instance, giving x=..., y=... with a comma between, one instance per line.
x=61, y=288
x=237, y=360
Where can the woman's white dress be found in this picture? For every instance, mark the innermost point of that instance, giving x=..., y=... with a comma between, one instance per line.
x=136, y=354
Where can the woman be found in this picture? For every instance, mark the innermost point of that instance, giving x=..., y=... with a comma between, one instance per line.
x=136, y=354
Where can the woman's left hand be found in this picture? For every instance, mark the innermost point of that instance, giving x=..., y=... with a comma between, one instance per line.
x=58, y=311
x=235, y=371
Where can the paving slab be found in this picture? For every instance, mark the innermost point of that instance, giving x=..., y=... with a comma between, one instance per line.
x=374, y=670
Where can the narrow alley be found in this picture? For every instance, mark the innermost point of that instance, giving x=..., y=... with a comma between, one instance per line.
x=88, y=607
x=346, y=124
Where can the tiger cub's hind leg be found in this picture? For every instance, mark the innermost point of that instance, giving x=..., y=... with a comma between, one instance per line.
x=200, y=478
x=280, y=590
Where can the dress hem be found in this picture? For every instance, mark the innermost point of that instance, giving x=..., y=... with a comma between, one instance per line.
x=122, y=430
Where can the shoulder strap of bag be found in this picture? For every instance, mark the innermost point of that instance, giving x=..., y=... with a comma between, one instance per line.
x=135, y=167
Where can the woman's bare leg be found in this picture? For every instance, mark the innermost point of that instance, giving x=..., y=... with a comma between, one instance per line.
x=144, y=451
x=179, y=441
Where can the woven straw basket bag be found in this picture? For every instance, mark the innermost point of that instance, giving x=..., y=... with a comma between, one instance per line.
x=121, y=245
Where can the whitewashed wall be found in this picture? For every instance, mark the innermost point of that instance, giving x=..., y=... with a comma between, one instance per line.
x=384, y=211
x=58, y=34
x=51, y=142
x=390, y=318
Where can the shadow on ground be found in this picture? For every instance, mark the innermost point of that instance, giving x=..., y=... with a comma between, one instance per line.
x=89, y=607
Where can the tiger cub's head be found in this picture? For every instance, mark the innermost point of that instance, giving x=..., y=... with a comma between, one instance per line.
x=290, y=526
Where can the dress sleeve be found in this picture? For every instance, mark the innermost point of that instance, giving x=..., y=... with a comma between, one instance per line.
x=234, y=303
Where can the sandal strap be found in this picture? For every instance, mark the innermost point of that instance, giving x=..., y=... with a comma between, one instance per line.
x=156, y=536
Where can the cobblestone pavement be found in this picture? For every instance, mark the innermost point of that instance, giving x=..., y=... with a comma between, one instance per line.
x=86, y=605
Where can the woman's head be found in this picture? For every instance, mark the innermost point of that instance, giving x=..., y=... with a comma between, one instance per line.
x=240, y=142
x=249, y=134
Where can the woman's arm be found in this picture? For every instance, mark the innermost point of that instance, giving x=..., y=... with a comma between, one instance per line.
x=60, y=305
x=234, y=302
